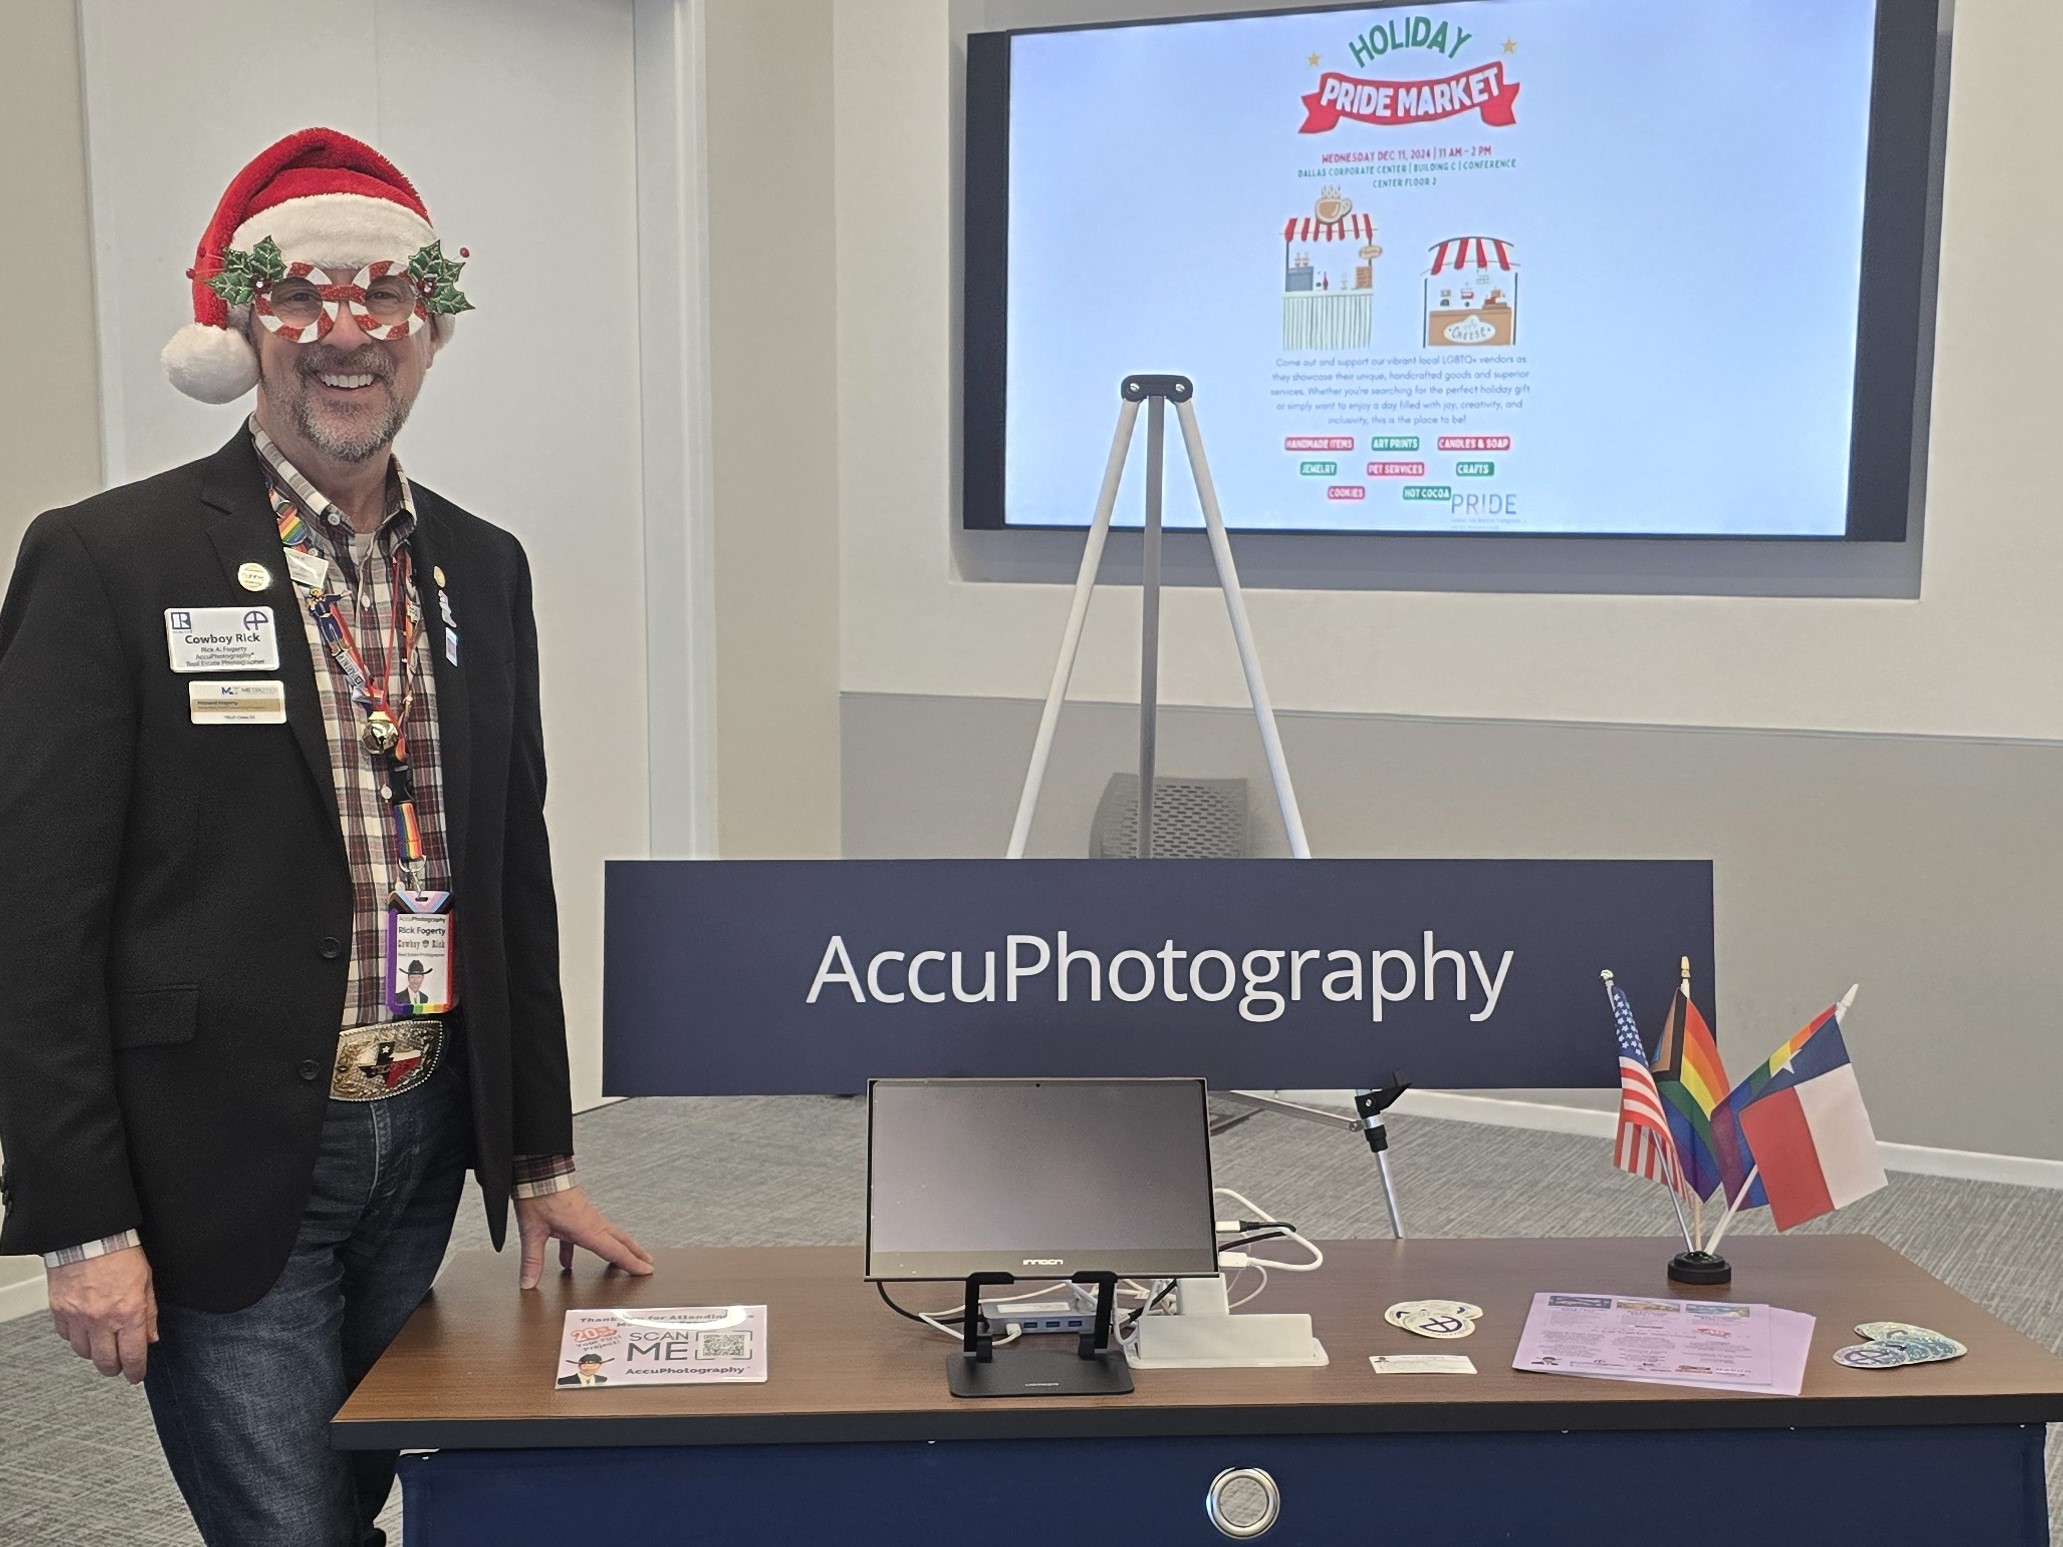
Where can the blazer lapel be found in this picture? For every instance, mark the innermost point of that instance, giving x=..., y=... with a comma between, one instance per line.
x=244, y=532
x=434, y=548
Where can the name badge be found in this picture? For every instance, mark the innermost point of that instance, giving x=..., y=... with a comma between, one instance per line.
x=237, y=703
x=421, y=954
x=221, y=639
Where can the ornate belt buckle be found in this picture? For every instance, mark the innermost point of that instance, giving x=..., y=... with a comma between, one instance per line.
x=375, y=1062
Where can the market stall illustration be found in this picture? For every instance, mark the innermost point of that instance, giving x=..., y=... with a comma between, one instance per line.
x=1472, y=294
x=1324, y=307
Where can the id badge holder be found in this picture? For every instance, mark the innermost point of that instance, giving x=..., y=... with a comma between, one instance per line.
x=421, y=954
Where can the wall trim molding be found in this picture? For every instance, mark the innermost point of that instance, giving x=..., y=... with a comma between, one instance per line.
x=1545, y=1117
x=1500, y=721
x=675, y=393
x=24, y=1298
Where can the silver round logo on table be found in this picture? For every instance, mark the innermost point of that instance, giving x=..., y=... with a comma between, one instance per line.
x=1243, y=1502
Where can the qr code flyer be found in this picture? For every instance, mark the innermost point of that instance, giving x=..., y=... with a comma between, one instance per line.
x=664, y=1346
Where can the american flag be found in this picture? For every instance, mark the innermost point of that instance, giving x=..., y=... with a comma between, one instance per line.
x=1644, y=1145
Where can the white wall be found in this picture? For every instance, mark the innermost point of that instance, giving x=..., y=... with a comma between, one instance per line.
x=515, y=120
x=1975, y=655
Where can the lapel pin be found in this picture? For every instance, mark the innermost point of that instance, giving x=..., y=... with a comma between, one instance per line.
x=437, y=573
x=254, y=577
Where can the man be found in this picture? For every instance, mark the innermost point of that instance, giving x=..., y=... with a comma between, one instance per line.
x=417, y=974
x=242, y=760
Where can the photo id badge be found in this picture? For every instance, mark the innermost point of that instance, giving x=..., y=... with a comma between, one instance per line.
x=422, y=956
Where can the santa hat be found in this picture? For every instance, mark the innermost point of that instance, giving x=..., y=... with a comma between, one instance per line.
x=323, y=198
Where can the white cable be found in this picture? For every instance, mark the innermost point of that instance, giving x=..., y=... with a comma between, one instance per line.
x=1258, y=1288
x=960, y=1337
x=1317, y=1257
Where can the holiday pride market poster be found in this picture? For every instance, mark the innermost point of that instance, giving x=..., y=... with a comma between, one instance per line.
x=1527, y=265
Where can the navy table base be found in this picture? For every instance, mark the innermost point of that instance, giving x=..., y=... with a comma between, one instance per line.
x=1974, y=1486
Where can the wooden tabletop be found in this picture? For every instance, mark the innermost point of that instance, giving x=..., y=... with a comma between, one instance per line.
x=475, y=1367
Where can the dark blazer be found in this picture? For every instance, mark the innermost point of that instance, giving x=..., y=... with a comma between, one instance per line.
x=177, y=903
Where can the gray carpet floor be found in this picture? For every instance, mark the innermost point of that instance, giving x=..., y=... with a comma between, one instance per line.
x=79, y=1464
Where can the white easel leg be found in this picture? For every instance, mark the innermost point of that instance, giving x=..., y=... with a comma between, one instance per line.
x=1243, y=634
x=1071, y=637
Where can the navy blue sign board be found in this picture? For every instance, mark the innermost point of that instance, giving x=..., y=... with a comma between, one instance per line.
x=768, y=977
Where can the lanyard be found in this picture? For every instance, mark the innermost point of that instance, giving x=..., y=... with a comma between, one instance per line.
x=382, y=732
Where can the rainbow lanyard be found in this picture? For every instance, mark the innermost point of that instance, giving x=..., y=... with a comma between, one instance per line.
x=382, y=733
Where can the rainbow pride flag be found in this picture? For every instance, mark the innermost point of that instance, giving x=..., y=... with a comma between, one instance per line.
x=1692, y=1083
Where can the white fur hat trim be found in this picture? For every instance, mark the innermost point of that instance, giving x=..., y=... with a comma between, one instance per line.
x=340, y=229
x=216, y=365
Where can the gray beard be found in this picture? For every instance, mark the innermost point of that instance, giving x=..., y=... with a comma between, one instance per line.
x=298, y=399
x=356, y=448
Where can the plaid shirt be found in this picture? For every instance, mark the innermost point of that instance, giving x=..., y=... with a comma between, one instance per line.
x=362, y=581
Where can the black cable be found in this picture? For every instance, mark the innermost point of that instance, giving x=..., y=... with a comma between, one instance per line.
x=882, y=1289
x=1274, y=1234
x=1132, y=1320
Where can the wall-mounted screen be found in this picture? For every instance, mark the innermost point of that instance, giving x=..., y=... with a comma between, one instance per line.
x=1572, y=267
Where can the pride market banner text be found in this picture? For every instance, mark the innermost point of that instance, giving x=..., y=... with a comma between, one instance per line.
x=732, y=977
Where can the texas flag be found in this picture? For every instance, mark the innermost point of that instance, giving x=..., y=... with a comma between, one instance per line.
x=1807, y=1130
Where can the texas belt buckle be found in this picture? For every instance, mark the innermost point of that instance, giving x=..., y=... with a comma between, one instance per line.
x=375, y=1062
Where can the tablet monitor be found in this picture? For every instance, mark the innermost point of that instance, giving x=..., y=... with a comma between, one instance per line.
x=1038, y=1178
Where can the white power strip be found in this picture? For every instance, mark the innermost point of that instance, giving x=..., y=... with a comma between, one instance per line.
x=1204, y=1335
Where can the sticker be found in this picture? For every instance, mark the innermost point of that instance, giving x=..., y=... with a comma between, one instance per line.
x=1906, y=1332
x=237, y=703
x=1422, y=1364
x=254, y=577
x=308, y=569
x=221, y=639
x=1435, y=1318
x=1874, y=1356
x=1894, y=1343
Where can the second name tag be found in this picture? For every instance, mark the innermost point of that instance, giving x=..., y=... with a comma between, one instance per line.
x=221, y=639
x=237, y=703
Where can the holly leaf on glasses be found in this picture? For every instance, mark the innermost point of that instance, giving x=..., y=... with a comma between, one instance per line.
x=244, y=274
x=436, y=281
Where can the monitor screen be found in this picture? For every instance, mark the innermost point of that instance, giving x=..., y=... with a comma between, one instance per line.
x=1038, y=1178
x=1567, y=267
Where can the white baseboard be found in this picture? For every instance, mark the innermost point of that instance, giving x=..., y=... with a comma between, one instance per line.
x=1503, y=1112
x=24, y=1297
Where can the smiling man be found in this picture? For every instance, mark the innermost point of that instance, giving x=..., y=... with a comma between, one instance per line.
x=255, y=797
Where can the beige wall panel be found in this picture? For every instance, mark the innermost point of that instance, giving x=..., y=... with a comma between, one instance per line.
x=774, y=410
x=1930, y=870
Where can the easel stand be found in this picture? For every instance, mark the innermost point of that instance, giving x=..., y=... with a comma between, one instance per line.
x=1094, y=1369
x=1156, y=392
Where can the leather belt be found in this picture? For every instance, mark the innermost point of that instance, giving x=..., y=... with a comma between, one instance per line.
x=386, y=1059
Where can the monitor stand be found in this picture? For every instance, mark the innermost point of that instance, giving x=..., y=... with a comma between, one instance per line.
x=1094, y=1369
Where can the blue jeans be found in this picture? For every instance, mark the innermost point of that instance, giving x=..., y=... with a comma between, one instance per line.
x=243, y=1400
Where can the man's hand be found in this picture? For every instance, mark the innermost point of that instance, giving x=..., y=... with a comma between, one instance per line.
x=105, y=1308
x=571, y=1218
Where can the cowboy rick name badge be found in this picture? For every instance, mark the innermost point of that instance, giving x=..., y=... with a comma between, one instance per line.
x=421, y=954
x=221, y=639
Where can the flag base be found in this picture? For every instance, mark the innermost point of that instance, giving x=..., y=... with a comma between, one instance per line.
x=1699, y=1268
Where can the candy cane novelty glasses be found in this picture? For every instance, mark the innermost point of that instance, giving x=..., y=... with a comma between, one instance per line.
x=302, y=301
x=304, y=305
